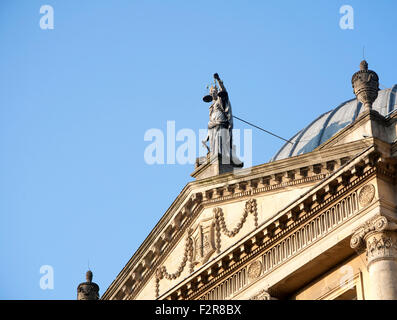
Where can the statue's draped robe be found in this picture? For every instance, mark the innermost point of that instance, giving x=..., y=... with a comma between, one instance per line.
x=220, y=125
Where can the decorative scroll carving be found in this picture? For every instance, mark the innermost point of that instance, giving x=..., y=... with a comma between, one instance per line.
x=377, y=236
x=366, y=195
x=261, y=295
x=378, y=224
x=254, y=270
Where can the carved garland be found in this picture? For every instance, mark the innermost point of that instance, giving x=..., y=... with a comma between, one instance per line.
x=354, y=209
x=252, y=191
x=220, y=224
x=330, y=219
x=162, y=271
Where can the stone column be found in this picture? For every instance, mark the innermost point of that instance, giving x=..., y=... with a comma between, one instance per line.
x=378, y=237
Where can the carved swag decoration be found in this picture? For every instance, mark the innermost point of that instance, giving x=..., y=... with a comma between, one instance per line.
x=203, y=240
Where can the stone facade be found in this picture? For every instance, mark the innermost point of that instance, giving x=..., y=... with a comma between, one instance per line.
x=321, y=225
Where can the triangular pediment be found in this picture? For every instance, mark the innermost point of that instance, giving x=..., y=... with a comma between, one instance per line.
x=211, y=215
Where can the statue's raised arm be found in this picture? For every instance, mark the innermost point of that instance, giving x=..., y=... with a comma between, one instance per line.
x=220, y=82
x=227, y=107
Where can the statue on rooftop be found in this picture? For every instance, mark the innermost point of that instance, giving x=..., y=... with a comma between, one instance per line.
x=220, y=123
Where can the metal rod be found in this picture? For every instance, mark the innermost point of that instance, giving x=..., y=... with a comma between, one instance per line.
x=262, y=129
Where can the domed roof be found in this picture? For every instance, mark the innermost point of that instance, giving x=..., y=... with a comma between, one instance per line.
x=331, y=122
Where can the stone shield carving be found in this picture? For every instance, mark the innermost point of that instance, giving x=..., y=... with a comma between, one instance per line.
x=254, y=270
x=366, y=195
x=203, y=241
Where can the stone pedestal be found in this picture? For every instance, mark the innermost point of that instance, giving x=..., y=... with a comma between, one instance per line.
x=379, y=240
x=213, y=165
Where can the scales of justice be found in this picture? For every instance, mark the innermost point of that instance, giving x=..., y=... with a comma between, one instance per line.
x=221, y=156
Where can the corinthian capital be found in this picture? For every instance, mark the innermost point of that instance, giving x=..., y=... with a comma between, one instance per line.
x=381, y=246
x=262, y=295
x=377, y=237
x=379, y=223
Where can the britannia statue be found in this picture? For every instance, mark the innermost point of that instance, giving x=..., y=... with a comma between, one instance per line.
x=220, y=123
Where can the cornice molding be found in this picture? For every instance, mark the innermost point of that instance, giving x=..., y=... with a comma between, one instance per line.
x=291, y=218
x=189, y=203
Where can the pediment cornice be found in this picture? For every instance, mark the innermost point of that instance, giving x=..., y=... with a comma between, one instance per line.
x=196, y=195
x=319, y=198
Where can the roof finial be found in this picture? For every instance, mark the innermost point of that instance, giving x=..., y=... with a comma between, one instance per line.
x=365, y=85
x=88, y=276
x=364, y=65
x=88, y=290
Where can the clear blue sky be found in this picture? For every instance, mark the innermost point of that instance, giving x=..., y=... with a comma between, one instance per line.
x=76, y=101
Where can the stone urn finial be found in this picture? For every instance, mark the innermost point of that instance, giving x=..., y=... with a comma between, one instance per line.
x=88, y=290
x=365, y=85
